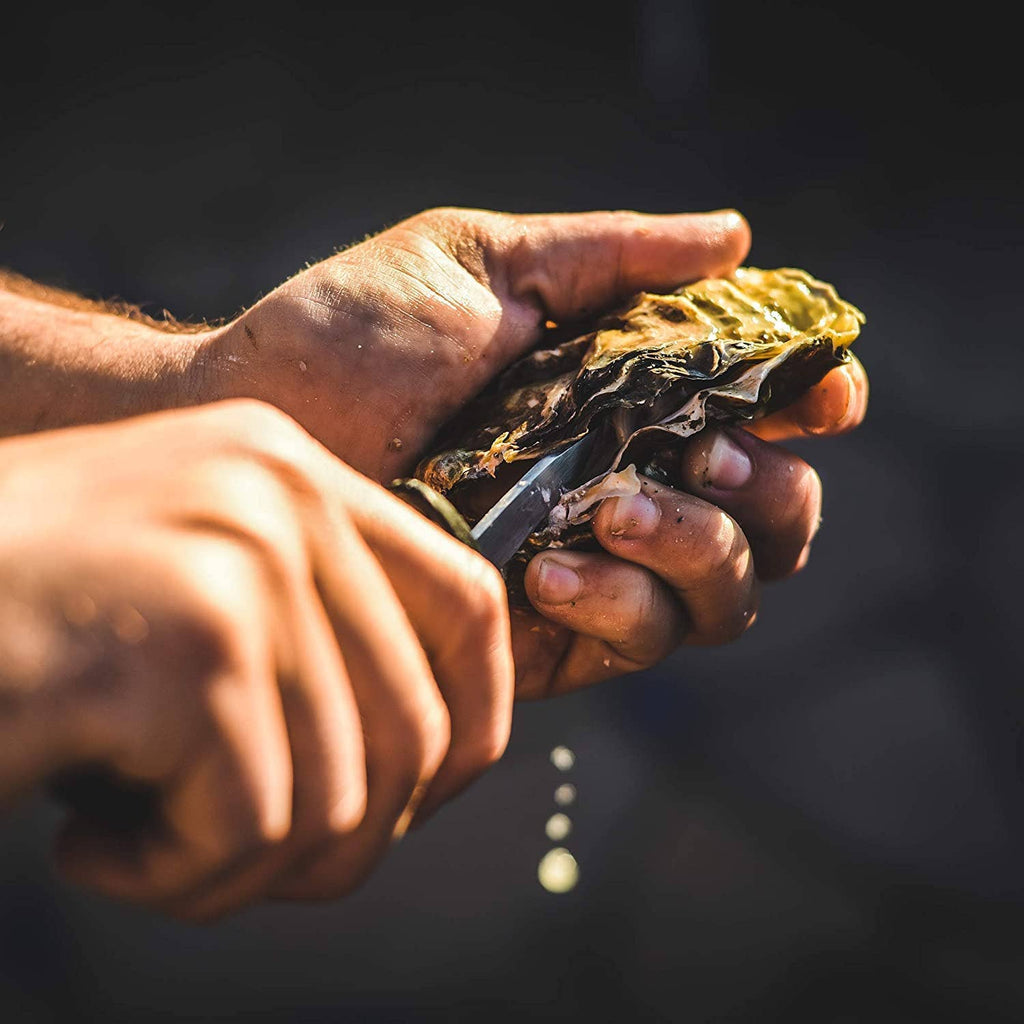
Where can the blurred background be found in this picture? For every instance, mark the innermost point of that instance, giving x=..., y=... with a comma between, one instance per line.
x=821, y=822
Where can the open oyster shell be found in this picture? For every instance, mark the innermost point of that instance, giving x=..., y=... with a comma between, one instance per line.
x=720, y=350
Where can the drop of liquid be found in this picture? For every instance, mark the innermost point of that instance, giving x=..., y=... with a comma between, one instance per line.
x=558, y=827
x=563, y=758
x=558, y=870
x=565, y=794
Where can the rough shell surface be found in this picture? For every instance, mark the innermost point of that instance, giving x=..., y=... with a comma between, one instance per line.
x=721, y=350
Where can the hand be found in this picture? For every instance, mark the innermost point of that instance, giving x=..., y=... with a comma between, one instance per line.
x=283, y=657
x=373, y=349
x=684, y=566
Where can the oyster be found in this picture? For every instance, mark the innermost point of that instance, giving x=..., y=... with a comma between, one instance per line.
x=720, y=350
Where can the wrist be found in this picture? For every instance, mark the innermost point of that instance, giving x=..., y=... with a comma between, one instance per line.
x=63, y=366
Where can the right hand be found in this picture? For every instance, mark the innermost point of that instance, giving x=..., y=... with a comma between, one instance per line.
x=290, y=660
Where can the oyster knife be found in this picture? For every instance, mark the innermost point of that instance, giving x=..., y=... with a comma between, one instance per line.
x=527, y=503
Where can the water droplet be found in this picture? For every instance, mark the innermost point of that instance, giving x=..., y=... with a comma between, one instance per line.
x=558, y=827
x=563, y=758
x=565, y=794
x=558, y=870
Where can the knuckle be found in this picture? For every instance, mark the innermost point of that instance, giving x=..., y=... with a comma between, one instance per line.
x=215, y=577
x=347, y=814
x=729, y=626
x=270, y=438
x=662, y=627
x=484, y=748
x=746, y=614
x=649, y=619
x=720, y=550
x=268, y=827
x=743, y=615
x=786, y=549
x=252, y=420
x=443, y=221
x=420, y=743
x=811, y=503
x=487, y=598
x=210, y=626
x=452, y=216
x=251, y=508
x=803, y=507
x=629, y=605
x=479, y=600
x=435, y=737
x=260, y=815
x=466, y=234
x=621, y=218
x=437, y=213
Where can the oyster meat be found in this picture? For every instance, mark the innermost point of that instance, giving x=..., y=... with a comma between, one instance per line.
x=649, y=375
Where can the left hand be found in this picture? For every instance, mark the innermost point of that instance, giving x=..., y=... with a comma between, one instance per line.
x=374, y=348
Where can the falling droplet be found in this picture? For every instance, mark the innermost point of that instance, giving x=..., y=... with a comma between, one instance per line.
x=558, y=827
x=558, y=870
x=565, y=794
x=563, y=758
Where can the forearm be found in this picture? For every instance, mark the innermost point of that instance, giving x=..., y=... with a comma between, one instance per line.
x=66, y=361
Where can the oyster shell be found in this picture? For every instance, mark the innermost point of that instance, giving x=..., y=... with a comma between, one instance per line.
x=720, y=350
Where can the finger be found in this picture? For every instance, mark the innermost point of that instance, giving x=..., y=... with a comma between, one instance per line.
x=624, y=617
x=571, y=265
x=835, y=405
x=231, y=802
x=454, y=600
x=773, y=495
x=567, y=265
x=698, y=550
x=405, y=722
x=218, y=757
x=681, y=573
x=328, y=759
x=458, y=607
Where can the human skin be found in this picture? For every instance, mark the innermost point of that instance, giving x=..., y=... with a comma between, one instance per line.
x=373, y=349
x=370, y=351
x=246, y=628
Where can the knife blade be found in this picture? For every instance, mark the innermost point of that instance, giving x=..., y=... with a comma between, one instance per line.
x=526, y=504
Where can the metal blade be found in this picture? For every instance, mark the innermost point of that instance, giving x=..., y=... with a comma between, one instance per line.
x=526, y=504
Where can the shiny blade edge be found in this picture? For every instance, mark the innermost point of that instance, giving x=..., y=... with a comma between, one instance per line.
x=501, y=532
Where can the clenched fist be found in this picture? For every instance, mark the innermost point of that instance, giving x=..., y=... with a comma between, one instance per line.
x=284, y=659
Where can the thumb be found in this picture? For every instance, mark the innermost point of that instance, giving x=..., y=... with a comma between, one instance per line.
x=572, y=265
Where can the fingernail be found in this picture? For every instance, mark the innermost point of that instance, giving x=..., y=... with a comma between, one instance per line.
x=728, y=466
x=557, y=583
x=635, y=516
x=845, y=420
x=849, y=416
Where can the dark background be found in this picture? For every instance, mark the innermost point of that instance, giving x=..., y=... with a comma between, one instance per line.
x=822, y=822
